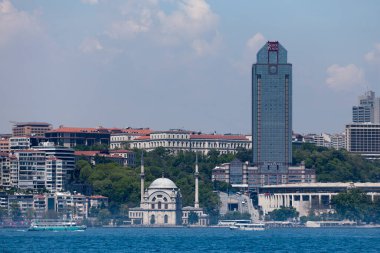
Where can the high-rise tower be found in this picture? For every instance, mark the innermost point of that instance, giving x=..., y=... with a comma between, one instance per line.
x=272, y=111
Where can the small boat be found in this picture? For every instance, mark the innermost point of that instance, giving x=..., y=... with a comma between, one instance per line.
x=248, y=226
x=55, y=225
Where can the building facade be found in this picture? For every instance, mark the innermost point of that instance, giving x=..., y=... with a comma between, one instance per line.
x=75, y=136
x=310, y=197
x=365, y=111
x=272, y=110
x=363, y=139
x=31, y=129
x=182, y=140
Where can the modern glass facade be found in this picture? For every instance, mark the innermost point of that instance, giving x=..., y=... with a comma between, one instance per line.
x=272, y=110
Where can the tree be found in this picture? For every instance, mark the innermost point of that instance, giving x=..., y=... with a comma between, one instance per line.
x=357, y=206
x=282, y=214
x=193, y=217
x=236, y=216
x=104, y=216
x=16, y=212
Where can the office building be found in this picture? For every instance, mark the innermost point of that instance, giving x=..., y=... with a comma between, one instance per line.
x=35, y=129
x=363, y=139
x=272, y=110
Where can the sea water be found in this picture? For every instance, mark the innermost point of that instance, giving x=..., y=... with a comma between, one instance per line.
x=193, y=240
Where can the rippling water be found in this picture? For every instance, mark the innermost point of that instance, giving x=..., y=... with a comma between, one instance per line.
x=193, y=240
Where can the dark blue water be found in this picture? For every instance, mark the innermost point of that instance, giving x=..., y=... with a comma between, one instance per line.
x=192, y=240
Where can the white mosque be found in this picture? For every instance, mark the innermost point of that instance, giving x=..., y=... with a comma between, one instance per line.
x=161, y=204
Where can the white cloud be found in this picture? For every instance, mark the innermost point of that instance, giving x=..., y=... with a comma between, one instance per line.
x=344, y=78
x=191, y=23
x=252, y=46
x=90, y=45
x=374, y=55
x=14, y=23
x=255, y=43
x=90, y=1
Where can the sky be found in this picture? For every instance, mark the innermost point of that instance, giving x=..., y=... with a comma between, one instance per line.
x=170, y=64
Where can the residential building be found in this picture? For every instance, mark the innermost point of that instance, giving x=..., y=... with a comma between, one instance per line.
x=22, y=142
x=4, y=144
x=65, y=154
x=31, y=129
x=128, y=155
x=31, y=169
x=363, y=139
x=183, y=140
x=272, y=110
x=54, y=174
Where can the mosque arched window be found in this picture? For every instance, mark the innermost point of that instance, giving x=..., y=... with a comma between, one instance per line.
x=166, y=206
x=165, y=219
x=159, y=205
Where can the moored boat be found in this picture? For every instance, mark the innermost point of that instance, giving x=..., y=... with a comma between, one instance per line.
x=55, y=225
x=248, y=226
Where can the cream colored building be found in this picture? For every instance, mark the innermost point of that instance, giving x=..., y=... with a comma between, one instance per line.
x=161, y=204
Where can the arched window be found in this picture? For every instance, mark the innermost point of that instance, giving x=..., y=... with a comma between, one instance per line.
x=152, y=219
x=166, y=206
x=165, y=219
x=159, y=205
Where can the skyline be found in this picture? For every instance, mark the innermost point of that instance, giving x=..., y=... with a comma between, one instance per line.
x=181, y=64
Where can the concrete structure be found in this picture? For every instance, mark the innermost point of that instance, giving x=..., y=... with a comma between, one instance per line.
x=75, y=136
x=54, y=174
x=310, y=197
x=241, y=175
x=182, y=140
x=363, y=139
x=31, y=129
x=128, y=155
x=272, y=110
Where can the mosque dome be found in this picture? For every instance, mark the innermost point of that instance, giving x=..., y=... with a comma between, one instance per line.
x=162, y=183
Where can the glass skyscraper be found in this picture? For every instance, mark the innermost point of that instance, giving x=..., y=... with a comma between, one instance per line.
x=272, y=111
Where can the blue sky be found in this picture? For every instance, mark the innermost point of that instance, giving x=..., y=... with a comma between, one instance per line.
x=181, y=63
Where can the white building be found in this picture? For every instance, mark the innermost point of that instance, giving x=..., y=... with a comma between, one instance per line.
x=181, y=140
x=363, y=139
x=161, y=204
x=307, y=197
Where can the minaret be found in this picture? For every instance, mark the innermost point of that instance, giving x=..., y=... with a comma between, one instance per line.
x=142, y=177
x=196, y=174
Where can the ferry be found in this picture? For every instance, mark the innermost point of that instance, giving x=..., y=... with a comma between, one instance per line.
x=55, y=225
x=248, y=226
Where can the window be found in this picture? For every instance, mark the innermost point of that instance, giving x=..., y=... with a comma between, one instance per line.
x=159, y=205
x=166, y=219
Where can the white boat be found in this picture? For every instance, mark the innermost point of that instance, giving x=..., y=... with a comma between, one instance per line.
x=248, y=226
x=55, y=225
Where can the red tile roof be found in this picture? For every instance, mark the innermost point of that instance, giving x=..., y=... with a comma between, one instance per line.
x=121, y=151
x=81, y=130
x=86, y=153
x=218, y=136
x=143, y=138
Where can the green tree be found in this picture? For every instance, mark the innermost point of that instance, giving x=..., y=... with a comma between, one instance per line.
x=357, y=206
x=193, y=217
x=15, y=212
x=104, y=216
x=282, y=214
x=236, y=216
